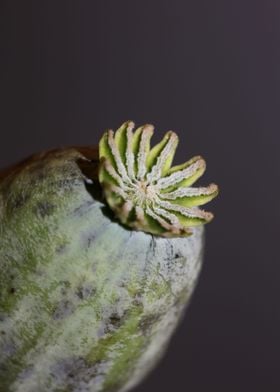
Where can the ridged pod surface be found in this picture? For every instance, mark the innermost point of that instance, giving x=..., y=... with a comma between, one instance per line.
x=86, y=304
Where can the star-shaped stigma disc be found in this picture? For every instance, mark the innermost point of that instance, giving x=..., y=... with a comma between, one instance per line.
x=142, y=188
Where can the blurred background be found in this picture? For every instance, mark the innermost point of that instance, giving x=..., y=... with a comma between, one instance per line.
x=209, y=70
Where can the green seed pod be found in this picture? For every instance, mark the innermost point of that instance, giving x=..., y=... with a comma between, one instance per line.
x=98, y=262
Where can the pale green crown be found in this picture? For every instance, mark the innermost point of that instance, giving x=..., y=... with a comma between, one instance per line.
x=142, y=188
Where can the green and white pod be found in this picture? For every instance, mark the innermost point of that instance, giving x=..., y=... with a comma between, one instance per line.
x=97, y=261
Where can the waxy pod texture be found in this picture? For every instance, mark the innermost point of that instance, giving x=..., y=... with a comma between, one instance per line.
x=88, y=303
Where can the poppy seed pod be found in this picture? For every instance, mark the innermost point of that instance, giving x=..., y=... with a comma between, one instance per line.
x=100, y=250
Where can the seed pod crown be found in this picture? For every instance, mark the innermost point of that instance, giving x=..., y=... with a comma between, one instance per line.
x=143, y=189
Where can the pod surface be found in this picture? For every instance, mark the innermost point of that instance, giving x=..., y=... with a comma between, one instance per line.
x=85, y=304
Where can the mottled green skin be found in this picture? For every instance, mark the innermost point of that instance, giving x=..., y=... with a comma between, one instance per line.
x=85, y=304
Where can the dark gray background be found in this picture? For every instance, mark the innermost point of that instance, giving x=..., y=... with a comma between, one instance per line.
x=209, y=70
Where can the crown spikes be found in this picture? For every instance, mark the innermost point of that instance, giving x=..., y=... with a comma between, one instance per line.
x=190, y=197
x=161, y=156
x=185, y=175
x=142, y=188
x=144, y=147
